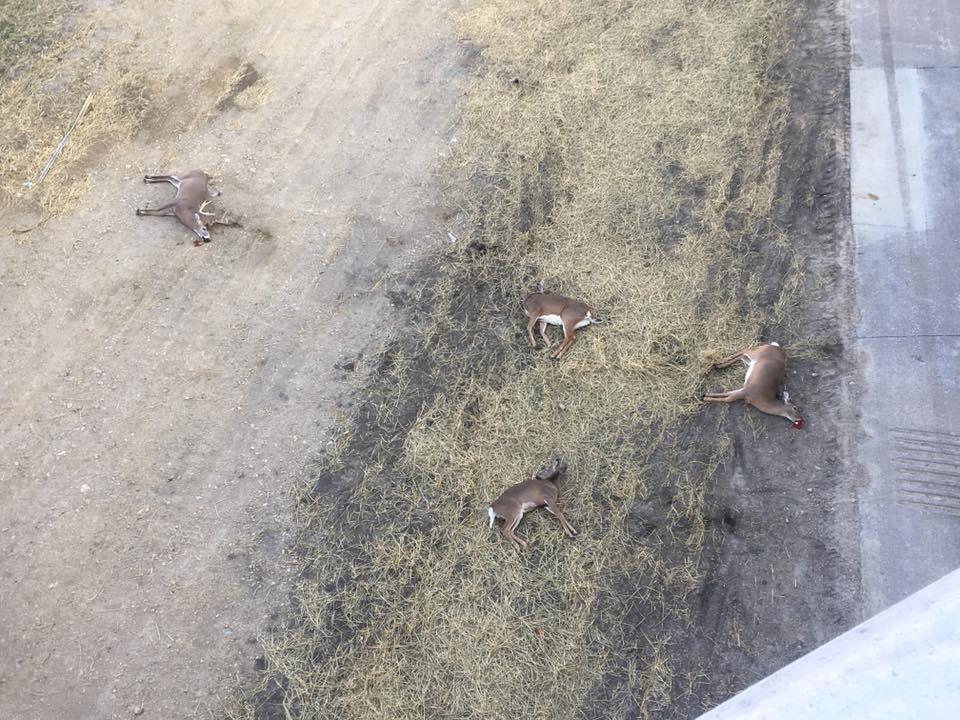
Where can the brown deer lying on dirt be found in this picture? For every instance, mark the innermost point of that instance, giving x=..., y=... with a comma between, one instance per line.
x=526, y=496
x=763, y=385
x=193, y=196
x=546, y=308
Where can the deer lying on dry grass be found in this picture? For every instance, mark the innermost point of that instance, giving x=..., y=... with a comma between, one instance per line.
x=193, y=196
x=763, y=386
x=523, y=497
x=547, y=308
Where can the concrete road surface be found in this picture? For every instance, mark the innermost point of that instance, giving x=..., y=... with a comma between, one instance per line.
x=899, y=664
x=905, y=180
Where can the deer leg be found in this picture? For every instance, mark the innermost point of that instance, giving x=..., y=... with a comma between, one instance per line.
x=567, y=527
x=509, y=527
x=162, y=210
x=560, y=350
x=728, y=361
x=533, y=321
x=569, y=336
x=543, y=333
x=726, y=397
x=172, y=179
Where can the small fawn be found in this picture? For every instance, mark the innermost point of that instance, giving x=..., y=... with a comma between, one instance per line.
x=547, y=308
x=521, y=498
x=193, y=196
x=763, y=385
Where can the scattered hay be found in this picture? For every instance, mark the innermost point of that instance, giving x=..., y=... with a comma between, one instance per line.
x=252, y=97
x=59, y=66
x=26, y=28
x=245, y=90
x=627, y=153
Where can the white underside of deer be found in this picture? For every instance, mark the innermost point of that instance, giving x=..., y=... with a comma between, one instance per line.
x=763, y=384
x=556, y=320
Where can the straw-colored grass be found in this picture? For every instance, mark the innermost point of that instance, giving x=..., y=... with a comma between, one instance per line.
x=52, y=61
x=627, y=153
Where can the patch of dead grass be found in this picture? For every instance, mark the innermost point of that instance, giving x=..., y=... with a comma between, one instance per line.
x=58, y=64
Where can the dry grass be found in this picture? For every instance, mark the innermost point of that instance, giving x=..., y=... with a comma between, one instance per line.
x=633, y=163
x=245, y=90
x=27, y=27
x=53, y=62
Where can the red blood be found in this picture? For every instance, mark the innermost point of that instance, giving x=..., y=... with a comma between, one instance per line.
x=798, y=423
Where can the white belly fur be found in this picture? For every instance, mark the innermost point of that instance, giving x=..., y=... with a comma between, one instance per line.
x=555, y=320
x=749, y=370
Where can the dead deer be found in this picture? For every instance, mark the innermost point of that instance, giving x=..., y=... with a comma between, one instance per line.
x=526, y=496
x=547, y=308
x=763, y=386
x=193, y=196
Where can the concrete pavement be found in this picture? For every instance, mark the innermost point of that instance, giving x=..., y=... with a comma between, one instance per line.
x=899, y=664
x=905, y=178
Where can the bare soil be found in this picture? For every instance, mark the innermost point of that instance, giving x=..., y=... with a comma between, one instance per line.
x=160, y=401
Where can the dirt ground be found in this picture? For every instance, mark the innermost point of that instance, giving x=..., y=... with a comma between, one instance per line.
x=159, y=400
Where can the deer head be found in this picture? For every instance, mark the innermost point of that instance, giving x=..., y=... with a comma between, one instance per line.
x=553, y=470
